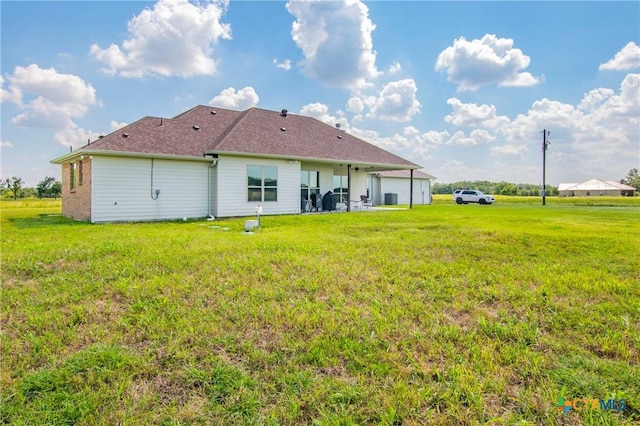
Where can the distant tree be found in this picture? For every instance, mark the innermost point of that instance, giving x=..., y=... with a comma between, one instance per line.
x=506, y=188
x=632, y=178
x=56, y=189
x=501, y=188
x=46, y=187
x=28, y=192
x=13, y=184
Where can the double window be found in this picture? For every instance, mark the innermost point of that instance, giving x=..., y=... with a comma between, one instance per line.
x=262, y=183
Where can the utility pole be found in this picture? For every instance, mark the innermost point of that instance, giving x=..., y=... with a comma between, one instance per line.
x=545, y=143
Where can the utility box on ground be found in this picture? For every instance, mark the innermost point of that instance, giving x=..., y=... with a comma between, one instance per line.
x=390, y=199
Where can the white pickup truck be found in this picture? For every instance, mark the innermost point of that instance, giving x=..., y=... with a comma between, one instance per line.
x=466, y=196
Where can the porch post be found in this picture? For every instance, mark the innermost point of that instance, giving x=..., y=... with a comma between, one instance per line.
x=348, y=187
x=411, y=190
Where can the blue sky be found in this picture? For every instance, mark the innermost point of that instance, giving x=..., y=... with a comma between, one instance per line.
x=462, y=88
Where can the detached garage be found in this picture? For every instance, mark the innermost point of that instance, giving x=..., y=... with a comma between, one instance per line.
x=394, y=187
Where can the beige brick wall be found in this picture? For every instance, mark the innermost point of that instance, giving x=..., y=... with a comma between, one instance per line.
x=76, y=203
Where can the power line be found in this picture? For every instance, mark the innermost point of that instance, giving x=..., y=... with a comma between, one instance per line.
x=545, y=143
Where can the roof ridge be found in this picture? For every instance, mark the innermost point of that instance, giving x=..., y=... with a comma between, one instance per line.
x=183, y=113
x=230, y=128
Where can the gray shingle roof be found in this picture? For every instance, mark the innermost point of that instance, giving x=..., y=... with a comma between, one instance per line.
x=256, y=131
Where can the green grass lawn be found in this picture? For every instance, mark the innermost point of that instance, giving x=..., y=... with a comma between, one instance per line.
x=443, y=314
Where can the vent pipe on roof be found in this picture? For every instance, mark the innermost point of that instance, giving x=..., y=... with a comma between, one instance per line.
x=161, y=121
x=338, y=126
x=284, y=112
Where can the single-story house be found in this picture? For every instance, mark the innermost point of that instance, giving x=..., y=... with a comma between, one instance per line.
x=596, y=188
x=394, y=187
x=218, y=163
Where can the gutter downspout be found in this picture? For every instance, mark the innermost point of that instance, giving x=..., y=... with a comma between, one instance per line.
x=214, y=163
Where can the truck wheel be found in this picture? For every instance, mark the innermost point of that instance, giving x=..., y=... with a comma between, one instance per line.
x=458, y=200
x=482, y=201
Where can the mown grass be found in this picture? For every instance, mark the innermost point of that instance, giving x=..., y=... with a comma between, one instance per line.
x=443, y=314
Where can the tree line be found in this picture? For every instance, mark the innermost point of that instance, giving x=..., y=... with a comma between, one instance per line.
x=13, y=187
x=632, y=178
x=494, y=188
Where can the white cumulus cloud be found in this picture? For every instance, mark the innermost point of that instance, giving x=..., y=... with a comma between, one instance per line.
x=476, y=137
x=239, y=100
x=75, y=136
x=394, y=68
x=114, y=125
x=320, y=112
x=355, y=105
x=335, y=39
x=48, y=99
x=285, y=65
x=175, y=37
x=490, y=60
x=626, y=59
x=396, y=101
x=510, y=149
x=6, y=144
x=467, y=115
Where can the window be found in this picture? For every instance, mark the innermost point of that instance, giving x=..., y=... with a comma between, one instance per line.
x=309, y=184
x=80, y=172
x=73, y=176
x=341, y=189
x=262, y=183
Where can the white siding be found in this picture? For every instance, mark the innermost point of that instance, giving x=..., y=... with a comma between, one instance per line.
x=358, y=185
x=401, y=186
x=122, y=189
x=231, y=185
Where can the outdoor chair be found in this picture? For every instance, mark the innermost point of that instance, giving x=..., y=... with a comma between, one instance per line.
x=316, y=202
x=365, y=202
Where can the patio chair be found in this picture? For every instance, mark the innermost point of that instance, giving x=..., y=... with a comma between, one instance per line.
x=365, y=202
x=315, y=201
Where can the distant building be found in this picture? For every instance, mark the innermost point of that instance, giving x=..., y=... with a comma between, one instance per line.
x=596, y=188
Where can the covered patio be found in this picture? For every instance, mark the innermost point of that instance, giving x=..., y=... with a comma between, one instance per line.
x=348, y=184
